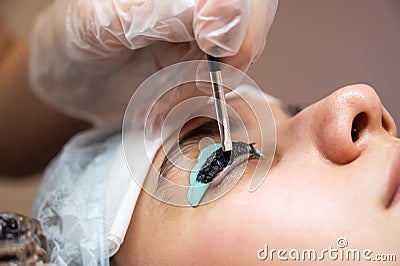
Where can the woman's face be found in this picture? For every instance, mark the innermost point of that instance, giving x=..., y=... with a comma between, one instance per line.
x=335, y=175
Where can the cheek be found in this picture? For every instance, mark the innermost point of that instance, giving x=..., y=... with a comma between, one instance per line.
x=231, y=230
x=288, y=210
x=243, y=222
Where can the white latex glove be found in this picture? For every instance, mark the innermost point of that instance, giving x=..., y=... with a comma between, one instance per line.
x=88, y=57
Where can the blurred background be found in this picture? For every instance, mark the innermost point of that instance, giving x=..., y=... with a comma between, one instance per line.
x=314, y=47
x=17, y=17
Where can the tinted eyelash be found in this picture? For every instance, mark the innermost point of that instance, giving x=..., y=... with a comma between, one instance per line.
x=219, y=160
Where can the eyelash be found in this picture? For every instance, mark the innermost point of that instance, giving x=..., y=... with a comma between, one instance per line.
x=227, y=172
x=217, y=166
x=293, y=109
x=187, y=145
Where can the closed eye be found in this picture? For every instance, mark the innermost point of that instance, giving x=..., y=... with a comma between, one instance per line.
x=188, y=144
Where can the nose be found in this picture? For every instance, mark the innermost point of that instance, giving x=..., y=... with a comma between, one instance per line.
x=348, y=120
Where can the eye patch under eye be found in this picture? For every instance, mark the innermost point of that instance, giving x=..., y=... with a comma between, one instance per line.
x=212, y=162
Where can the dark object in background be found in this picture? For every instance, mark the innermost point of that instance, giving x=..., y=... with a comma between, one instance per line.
x=21, y=240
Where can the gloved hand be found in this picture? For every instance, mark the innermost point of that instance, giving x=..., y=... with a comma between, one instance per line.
x=87, y=56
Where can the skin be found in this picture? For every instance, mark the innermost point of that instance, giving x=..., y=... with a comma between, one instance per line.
x=323, y=187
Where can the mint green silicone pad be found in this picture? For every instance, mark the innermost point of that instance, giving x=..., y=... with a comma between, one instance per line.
x=198, y=189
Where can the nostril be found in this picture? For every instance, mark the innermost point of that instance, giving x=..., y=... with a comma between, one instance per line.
x=354, y=134
x=359, y=124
